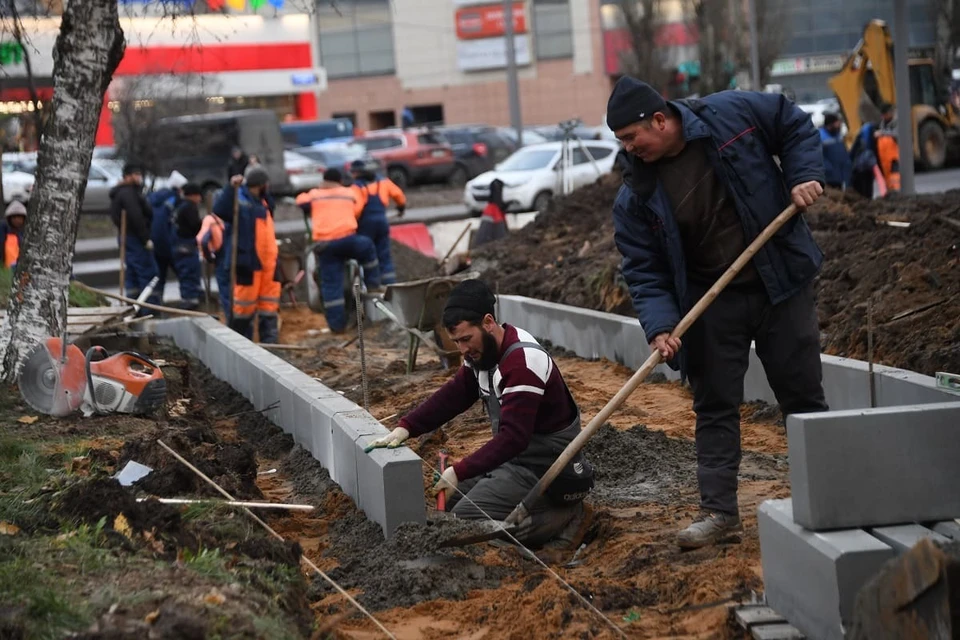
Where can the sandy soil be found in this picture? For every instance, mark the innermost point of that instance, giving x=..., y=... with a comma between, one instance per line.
x=630, y=570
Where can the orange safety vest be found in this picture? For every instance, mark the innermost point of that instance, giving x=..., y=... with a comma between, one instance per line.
x=386, y=189
x=11, y=250
x=333, y=212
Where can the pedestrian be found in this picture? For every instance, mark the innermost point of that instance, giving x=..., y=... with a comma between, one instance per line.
x=699, y=184
x=11, y=233
x=163, y=202
x=333, y=210
x=213, y=241
x=493, y=222
x=140, y=265
x=257, y=293
x=238, y=163
x=376, y=192
x=533, y=418
x=837, y=166
x=184, y=226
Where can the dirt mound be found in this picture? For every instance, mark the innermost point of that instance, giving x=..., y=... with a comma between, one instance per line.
x=91, y=500
x=568, y=255
x=410, y=264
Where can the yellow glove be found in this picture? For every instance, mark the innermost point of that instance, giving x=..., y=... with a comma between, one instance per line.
x=447, y=483
x=391, y=441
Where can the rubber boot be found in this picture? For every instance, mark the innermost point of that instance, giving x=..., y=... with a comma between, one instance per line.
x=268, y=329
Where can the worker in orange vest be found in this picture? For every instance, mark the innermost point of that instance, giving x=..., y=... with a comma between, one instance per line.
x=333, y=211
x=11, y=234
x=257, y=292
x=376, y=193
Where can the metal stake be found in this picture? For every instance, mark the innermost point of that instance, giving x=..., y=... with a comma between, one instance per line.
x=873, y=383
x=363, y=352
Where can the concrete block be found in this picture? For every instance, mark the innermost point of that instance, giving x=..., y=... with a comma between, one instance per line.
x=948, y=528
x=875, y=467
x=302, y=431
x=344, y=457
x=390, y=484
x=902, y=537
x=321, y=437
x=755, y=385
x=812, y=578
x=897, y=387
x=846, y=383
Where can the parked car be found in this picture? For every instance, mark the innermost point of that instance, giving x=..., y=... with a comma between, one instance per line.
x=532, y=175
x=477, y=149
x=308, y=132
x=411, y=156
x=529, y=136
x=303, y=173
x=19, y=175
x=341, y=155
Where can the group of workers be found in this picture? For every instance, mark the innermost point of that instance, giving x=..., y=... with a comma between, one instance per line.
x=166, y=231
x=873, y=159
x=700, y=183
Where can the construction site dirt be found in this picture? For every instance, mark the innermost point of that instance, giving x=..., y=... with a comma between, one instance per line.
x=134, y=568
x=908, y=272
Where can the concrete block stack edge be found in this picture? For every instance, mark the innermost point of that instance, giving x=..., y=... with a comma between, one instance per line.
x=386, y=485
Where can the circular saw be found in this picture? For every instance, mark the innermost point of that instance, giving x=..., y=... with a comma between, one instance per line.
x=58, y=383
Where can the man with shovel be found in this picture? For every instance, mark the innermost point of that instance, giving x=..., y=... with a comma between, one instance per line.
x=533, y=418
x=700, y=184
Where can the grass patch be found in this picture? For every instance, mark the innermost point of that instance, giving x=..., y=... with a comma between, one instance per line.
x=208, y=562
x=77, y=297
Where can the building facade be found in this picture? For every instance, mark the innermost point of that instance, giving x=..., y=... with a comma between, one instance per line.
x=224, y=61
x=445, y=61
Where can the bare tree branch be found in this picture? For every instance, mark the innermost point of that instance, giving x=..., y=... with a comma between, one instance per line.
x=31, y=83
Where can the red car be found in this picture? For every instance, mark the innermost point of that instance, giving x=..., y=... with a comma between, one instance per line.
x=411, y=156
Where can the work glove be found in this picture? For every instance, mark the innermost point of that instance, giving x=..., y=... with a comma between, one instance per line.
x=447, y=484
x=401, y=211
x=149, y=245
x=391, y=441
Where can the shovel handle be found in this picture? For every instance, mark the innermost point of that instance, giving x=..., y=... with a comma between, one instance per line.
x=655, y=358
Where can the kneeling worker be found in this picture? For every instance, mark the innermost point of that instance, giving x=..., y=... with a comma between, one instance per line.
x=533, y=417
x=333, y=210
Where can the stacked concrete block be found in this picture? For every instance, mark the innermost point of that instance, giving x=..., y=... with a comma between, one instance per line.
x=810, y=578
x=902, y=537
x=386, y=485
x=875, y=467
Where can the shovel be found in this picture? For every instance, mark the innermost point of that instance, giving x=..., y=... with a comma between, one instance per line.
x=522, y=510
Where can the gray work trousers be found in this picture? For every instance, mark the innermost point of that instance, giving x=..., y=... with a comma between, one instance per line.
x=787, y=339
x=497, y=493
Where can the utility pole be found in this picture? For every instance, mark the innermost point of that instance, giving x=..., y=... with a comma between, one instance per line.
x=513, y=85
x=754, y=45
x=901, y=64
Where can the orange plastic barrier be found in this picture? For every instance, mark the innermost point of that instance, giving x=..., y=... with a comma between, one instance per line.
x=416, y=236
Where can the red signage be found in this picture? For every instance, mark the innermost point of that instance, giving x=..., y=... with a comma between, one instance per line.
x=487, y=21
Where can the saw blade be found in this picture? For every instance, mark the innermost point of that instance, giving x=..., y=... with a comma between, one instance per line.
x=50, y=386
x=39, y=379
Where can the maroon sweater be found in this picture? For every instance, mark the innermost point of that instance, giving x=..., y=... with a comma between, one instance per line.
x=533, y=399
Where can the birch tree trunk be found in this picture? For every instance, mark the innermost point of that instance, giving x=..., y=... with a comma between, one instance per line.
x=88, y=49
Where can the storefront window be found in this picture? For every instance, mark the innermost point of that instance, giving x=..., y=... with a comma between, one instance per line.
x=356, y=38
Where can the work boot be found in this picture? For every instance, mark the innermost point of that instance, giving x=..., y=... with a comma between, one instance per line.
x=710, y=528
x=561, y=547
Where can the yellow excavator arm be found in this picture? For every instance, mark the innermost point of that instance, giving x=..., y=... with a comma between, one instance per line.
x=876, y=50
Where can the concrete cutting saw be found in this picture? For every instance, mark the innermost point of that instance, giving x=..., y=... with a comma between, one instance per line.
x=58, y=383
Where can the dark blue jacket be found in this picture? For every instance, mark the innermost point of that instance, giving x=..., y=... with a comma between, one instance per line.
x=251, y=209
x=745, y=129
x=837, y=166
x=163, y=203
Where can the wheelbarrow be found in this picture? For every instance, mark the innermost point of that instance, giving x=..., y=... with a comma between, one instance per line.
x=416, y=307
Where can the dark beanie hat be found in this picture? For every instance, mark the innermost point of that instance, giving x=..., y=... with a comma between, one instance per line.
x=632, y=101
x=830, y=118
x=192, y=189
x=332, y=175
x=472, y=295
x=257, y=177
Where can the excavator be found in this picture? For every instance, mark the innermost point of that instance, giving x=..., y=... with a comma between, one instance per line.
x=867, y=80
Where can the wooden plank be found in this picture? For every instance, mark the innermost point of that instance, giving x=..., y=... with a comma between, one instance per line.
x=776, y=632
x=750, y=615
x=93, y=311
